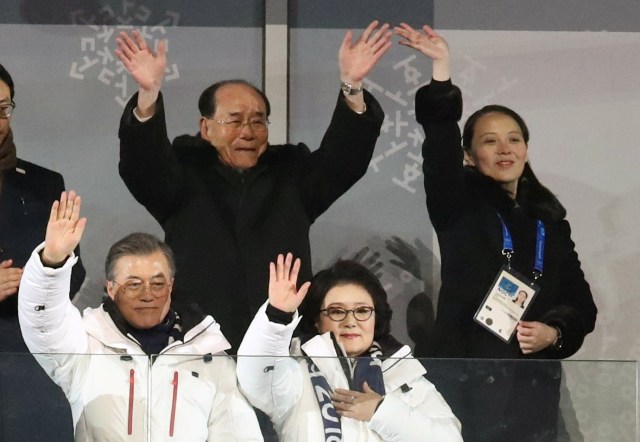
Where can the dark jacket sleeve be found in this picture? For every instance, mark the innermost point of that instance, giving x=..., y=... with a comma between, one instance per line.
x=148, y=165
x=438, y=109
x=343, y=156
x=575, y=314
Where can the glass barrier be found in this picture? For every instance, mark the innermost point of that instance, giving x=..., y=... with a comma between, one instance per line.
x=191, y=397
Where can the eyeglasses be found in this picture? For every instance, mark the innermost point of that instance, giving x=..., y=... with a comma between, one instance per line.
x=133, y=289
x=338, y=314
x=257, y=124
x=6, y=110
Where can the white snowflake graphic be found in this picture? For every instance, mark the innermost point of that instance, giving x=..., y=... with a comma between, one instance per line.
x=97, y=60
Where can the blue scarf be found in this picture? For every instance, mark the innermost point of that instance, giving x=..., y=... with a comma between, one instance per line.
x=367, y=368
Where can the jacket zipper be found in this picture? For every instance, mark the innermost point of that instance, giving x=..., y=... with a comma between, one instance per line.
x=130, y=413
x=174, y=403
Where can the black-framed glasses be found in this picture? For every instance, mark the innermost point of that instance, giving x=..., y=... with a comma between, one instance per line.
x=338, y=314
x=6, y=110
x=257, y=124
x=133, y=289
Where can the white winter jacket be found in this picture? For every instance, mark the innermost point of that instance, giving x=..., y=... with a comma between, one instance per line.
x=280, y=385
x=115, y=391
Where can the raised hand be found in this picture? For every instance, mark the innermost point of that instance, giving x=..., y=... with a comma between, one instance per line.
x=9, y=279
x=357, y=59
x=64, y=229
x=356, y=405
x=430, y=43
x=146, y=67
x=283, y=276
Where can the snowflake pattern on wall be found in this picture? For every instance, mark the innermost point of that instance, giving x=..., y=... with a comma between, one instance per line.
x=97, y=59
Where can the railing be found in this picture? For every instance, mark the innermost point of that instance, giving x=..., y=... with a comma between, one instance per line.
x=574, y=400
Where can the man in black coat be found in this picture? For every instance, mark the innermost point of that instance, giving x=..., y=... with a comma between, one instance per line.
x=27, y=192
x=227, y=200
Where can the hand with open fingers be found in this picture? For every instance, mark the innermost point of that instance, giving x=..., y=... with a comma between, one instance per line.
x=357, y=59
x=356, y=405
x=534, y=336
x=64, y=229
x=9, y=279
x=429, y=42
x=146, y=67
x=283, y=278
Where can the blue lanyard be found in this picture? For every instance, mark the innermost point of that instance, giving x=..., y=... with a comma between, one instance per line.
x=507, y=246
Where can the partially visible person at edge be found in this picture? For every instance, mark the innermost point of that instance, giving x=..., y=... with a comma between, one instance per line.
x=26, y=194
x=139, y=366
x=27, y=191
x=350, y=379
x=227, y=189
x=468, y=206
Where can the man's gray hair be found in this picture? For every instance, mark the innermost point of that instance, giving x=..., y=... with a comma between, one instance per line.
x=137, y=244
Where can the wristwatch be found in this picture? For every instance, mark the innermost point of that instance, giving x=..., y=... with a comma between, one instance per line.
x=349, y=89
x=557, y=343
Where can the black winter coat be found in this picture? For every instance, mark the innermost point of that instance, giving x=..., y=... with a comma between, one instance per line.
x=225, y=226
x=496, y=399
x=464, y=206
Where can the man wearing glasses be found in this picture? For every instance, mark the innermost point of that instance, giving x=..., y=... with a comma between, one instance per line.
x=139, y=366
x=26, y=194
x=229, y=201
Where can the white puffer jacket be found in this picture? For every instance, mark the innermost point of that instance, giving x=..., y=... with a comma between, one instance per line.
x=117, y=393
x=280, y=385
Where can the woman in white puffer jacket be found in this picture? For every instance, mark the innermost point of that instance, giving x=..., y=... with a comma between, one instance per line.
x=346, y=378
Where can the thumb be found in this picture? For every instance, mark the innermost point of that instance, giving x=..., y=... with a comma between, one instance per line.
x=366, y=388
x=6, y=264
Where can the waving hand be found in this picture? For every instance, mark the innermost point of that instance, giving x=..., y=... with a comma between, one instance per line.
x=283, y=292
x=431, y=44
x=146, y=67
x=64, y=229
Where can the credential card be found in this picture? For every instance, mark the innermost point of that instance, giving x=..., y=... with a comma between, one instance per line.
x=506, y=302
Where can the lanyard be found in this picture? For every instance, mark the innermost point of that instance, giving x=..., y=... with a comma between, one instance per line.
x=507, y=246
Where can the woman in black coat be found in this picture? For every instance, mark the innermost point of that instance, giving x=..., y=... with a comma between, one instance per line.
x=480, y=196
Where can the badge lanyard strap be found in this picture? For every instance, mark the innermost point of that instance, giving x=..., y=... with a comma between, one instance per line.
x=507, y=246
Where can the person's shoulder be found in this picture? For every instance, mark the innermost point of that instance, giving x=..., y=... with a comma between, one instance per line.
x=27, y=168
x=285, y=153
x=192, y=149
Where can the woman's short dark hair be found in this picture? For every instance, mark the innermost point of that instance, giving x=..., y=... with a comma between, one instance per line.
x=137, y=244
x=532, y=195
x=6, y=77
x=345, y=272
x=207, y=102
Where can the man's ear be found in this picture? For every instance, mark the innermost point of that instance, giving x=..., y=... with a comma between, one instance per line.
x=204, y=129
x=111, y=289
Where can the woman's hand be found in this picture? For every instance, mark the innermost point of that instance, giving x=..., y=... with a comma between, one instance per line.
x=431, y=44
x=283, y=293
x=534, y=336
x=356, y=405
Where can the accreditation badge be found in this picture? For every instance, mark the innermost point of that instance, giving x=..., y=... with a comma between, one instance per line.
x=506, y=302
